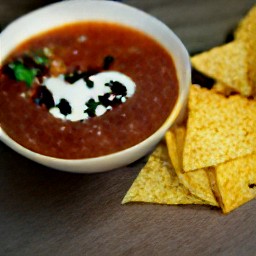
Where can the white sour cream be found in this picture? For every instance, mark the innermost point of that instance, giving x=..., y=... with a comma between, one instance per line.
x=78, y=93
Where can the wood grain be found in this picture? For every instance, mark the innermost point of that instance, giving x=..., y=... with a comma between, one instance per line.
x=47, y=212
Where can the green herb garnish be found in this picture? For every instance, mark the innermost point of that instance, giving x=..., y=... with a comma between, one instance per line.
x=23, y=73
x=89, y=83
x=92, y=105
x=41, y=60
x=29, y=66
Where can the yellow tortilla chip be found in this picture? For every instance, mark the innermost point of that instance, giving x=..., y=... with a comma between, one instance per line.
x=196, y=182
x=222, y=88
x=218, y=129
x=246, y=26
x=226, y=64
x=212, y=178
x=235, y=182
x=158, y=183
x=246, y=32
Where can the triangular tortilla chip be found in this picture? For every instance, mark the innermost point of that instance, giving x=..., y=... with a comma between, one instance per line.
x=235, y=182
x=158, y=183
x=246, y=32
x=246, y=26
x=222, y=89
x=196, y=182
x=226, y=64
x=218, y=129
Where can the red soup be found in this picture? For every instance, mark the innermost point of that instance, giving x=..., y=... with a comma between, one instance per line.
x=124, y=85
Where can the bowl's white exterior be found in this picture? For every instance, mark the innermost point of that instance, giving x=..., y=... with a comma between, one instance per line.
x=79, y=10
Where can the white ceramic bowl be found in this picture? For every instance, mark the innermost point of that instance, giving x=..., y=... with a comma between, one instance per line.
x=79, y=10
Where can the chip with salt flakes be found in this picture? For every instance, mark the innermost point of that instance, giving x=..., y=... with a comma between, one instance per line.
x=158, y=183
x=218, y=129
x=227, y=64
x=234, y=182
x=197, y=182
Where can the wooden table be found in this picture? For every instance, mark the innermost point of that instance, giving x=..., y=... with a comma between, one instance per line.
x=48, y=212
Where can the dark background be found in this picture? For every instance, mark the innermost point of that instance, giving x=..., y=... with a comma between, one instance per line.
x=48, y=212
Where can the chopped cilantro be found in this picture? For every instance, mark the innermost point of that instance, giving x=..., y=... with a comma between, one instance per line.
x=92, y=105
x=23, y=73
x=28, y=66
x=89, y=83
x=41, y=60
x=39, y=57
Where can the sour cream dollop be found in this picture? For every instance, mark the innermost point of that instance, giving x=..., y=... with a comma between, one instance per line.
x=93, y=97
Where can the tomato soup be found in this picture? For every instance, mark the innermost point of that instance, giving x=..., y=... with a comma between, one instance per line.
x=130, y=77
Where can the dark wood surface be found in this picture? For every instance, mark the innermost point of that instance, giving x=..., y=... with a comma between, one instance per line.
x=48, y=212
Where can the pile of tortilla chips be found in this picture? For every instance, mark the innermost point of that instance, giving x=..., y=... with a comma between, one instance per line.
x=211, y=159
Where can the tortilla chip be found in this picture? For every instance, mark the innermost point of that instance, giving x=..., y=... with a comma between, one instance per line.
x=158, y=183
x=196, y=182
x=226, y=64
x=219, y=129
x=246, y=25
x=223, y=89
x=212, y=178
x=235, y=182
x=246, y=32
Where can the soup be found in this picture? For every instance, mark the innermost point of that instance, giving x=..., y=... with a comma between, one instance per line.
x=138, y=82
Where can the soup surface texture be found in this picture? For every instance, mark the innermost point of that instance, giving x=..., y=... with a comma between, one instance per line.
x=82, y=50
